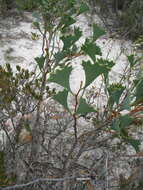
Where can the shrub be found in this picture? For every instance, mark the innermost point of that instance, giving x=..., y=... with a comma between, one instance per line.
x=47, y=139
x=132, y=19
x=126, y=15
x=26, y=4
x=5, y=5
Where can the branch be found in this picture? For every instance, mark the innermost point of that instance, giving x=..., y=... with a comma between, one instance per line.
x=19, y=186
x=75, y=110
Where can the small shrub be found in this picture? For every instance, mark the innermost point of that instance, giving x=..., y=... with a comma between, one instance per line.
x=132, y=19
x=5, y=5
x=57, y=145
x=126, y=15
x=26, y=4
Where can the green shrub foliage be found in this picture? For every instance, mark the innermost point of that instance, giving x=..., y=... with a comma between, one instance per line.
x=24, y=91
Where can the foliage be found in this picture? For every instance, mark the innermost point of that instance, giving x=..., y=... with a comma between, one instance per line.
x=126, y=15
x=2, y=168
x=26, y=4
x=4, y=180
x=5, y=5
x=20, y=4
x=132, y=19
x=32, y=105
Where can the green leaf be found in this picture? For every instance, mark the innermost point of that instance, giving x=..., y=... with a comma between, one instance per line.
x=18, y=67
x=97, y=32
x=139, y=92
x=36, y=24
x=67, y=21
x=115, y=92
x=135, y=143
x=60, y=55
x=40, y=61
x=132, y=60
x=120, y=124
x=116, y=125
x=83, y=8
x=126, y=103
x=61, y=77
x=92, y=71
x=91, y=49
x=61, y=97
x=66, y=55
x=84, y=108
x=71, y=39
x=125, y=121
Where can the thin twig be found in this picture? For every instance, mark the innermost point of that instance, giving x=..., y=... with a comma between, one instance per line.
x=19, y=186
x=75, y=110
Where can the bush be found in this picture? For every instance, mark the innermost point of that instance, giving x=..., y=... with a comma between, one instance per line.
x=47, y=139
x=5, y=5
x=126, y=15
x=26, y=4
x=132, y=19
x=20, y=4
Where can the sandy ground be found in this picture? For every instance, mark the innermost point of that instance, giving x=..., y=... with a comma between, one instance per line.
x=17, y=46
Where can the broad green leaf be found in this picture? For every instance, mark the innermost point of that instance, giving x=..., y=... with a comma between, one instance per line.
x=120, y=124
x=132, y=60
x=91, y=49
x=116, y=125
x=18, y=67
x=40, y=61
x=135, y=143
x=36, y=24
x=97, y=32
x=92, y=71
x=71, y=39
x=61, y=97
x=83, y=8
x=106, y=64
x=67, y=21
x=84, y=108
x=66, y=55
x=61, y=77
x=115, y=92
x=126, y=103
x=60, y=55
x=125, y=121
